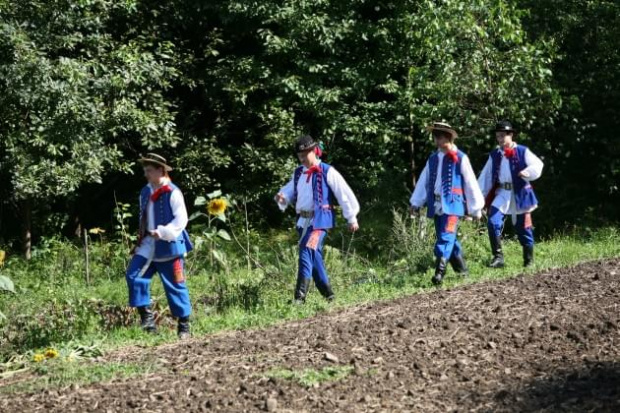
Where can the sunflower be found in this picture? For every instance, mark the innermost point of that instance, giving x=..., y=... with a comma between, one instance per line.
x=51, y=353
x=217, y=206
x=37, y=358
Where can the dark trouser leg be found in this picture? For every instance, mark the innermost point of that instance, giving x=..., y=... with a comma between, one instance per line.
x=495, y=227
x=445, y=230
x=525, y=232
x=458, y=261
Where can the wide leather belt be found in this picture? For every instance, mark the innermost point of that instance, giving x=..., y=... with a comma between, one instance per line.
x=306, y=214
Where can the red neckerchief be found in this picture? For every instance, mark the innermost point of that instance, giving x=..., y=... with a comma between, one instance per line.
x=313, y=169
x=453, y=155
x=509, y=152
x=162, y=190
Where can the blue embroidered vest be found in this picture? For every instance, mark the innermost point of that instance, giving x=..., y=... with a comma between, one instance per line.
x=324, y=217
x=163, y=216
x=523, y=190
x=452, y=194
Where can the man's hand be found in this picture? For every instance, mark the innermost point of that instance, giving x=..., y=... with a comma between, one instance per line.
x=524, y=174
x=154, y=234
x=354, y=227
x=414, y=211
x=280, y=198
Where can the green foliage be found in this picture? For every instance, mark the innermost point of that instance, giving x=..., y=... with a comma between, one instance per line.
x=74, y=96
x=60, y=308
x=61, y=373
x=582, y=153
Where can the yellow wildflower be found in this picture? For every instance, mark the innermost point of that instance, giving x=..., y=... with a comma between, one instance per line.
x=96, y=231
x=51, y=353
x=38, y=358
x=217, y=206
x=2, y=256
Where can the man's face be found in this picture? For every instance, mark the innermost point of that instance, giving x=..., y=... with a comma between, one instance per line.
x=307, y=158
x=153, y=174
x=503, y=138
x=442, y=139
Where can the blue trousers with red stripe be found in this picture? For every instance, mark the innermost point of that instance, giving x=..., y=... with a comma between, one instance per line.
x=447, y=244
x=140, y=285
x=524, y=228
x=311, y=257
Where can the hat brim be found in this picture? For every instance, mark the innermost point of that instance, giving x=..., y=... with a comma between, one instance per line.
x=143, y=161
x=309, y=148
x=452, y=132
x=506, y=130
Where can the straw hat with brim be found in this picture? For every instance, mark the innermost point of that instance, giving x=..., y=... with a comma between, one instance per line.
x=444, y=127
x=154, y=159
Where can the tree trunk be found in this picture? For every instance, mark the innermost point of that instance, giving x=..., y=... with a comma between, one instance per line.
x=412, y=156
x=26, y=217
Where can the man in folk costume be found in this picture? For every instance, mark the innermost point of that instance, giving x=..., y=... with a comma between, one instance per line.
x=162, y=245
x=311, y=189
x=449, y=190
x=505, y=182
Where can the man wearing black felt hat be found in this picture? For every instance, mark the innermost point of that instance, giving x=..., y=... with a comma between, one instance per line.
x=310, y=190
x=506, y=183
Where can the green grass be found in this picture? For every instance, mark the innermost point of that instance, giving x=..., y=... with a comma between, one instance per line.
x=52, y=374
x=311, y=377
x=53, y=306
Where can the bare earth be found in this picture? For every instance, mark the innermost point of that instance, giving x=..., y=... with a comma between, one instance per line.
x=547, y=342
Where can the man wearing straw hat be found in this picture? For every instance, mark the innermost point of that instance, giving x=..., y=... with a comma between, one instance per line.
x=505, y=182
x=449, y=190
x=310, y=190
x=162, y=245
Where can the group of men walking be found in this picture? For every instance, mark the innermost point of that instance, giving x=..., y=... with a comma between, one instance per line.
x=447, y=187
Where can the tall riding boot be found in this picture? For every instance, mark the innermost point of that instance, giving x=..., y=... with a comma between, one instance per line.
x=458, y=265
x=528, y=255
x=301, y=289
x=440, y=271
x=326, y=291
x=183, y=330
x=498, y=254
x=147, y=319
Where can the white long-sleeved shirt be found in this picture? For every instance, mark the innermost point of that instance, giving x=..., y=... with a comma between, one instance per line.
x=305, y=197
x=504, y=198
x=169, y=232
x=473, y=195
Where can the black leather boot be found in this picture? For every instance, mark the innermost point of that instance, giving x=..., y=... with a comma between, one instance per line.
x=528, y=255
x=147, y=319
x=498, y=254
x=301, y=290
x=326, y=291
x=440, y=271
x=183, y=331
x=458, y=265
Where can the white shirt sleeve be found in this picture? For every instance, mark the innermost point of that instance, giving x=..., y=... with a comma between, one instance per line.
x=473, y=194
x=534, y=166
x=344, y=194
x=288, y=191
x=418, y=197
x=485, y=180
x=174, y=228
